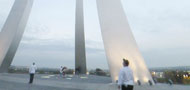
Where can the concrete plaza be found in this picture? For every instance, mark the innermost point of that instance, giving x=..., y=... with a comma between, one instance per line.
x=70, y=82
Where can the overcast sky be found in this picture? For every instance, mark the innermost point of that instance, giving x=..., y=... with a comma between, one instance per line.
x=161, y=29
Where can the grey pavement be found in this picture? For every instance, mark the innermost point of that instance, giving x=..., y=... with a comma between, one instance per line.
x=70, y=82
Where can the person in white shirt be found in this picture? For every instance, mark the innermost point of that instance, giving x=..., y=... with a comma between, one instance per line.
x=61, y=71
x=32, y=71
x=126, y=79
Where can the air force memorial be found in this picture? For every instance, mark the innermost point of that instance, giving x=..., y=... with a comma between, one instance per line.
x=118, y=39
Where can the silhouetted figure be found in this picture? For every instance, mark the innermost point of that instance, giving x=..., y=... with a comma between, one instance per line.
x=77, y=71
x=116, y=81
x=32, y=71
x=139, y=82
x=155, y=80
x=150, y=82
x=126, y=79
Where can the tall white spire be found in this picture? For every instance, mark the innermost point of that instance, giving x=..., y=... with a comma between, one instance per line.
x=119, y=41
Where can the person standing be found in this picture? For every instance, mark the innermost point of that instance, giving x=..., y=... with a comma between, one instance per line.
x=126, y=79
x=32, y=71
x=64, y=71
x=61, y=71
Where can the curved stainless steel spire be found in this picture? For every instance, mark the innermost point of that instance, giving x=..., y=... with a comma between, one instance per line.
x=12, y=32
x=119, y=41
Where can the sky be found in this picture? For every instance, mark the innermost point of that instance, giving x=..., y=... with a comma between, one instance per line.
x=161, y=29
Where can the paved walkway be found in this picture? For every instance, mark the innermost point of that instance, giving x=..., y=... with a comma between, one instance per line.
x=55, y=82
